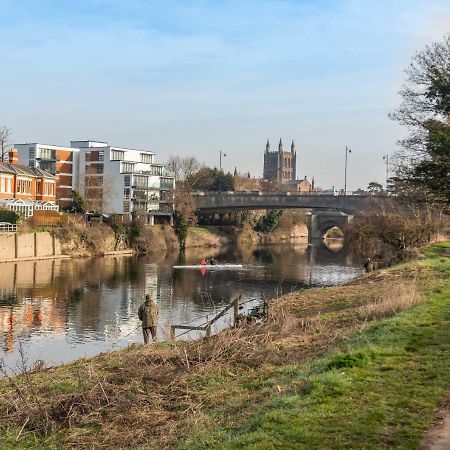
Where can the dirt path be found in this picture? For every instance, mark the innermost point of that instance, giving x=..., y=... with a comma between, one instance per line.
x=438, y=437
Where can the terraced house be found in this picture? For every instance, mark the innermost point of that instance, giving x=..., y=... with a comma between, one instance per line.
x=24, y=188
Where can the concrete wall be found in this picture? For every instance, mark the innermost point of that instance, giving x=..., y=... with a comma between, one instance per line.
x=28, y=245
x=7, y=245
x=25, y=245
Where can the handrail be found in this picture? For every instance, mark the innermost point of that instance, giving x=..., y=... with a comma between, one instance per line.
x=207, y=326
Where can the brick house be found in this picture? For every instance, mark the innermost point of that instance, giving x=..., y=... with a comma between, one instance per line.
x=22, y=182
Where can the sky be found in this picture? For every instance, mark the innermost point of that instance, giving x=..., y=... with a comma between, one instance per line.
x=196, y=77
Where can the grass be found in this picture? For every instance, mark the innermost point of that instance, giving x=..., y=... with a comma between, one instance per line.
x=357, y=366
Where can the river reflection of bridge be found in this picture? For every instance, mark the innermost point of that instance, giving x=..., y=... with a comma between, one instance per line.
x=63, y=309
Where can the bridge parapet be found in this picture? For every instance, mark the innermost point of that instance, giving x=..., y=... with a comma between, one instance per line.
x=288, y=200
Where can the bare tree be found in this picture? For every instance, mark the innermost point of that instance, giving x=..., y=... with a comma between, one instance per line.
x=5, y=134
x=183, y=168
x=98, y=192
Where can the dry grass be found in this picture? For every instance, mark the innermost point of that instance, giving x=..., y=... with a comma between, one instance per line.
x=153, y=395
x=401, y=296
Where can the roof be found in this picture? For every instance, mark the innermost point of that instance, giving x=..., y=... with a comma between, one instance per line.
x=20, y=169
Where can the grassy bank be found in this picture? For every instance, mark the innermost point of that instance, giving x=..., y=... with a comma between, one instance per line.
x=357, y=366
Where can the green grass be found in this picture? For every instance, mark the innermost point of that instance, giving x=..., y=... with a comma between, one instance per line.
x=379, y=391
x=203, y=230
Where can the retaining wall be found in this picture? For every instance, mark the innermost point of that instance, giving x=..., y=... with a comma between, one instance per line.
x=15, y=246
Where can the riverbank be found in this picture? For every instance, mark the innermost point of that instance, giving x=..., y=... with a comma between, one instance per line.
x=360, y=365
x=98, y=240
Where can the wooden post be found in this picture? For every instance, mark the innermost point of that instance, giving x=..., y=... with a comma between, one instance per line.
x=236, y=310
x=172, y=333
x=208, y=330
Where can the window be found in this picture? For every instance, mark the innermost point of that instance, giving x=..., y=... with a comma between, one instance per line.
x=38, y=186
x=99, y=168
x=117, y=155
x=146, y=158
x=127, y=167
x=126, y=206
x=31, y=156
x=47, y=153
x=127, y=180
x=126, y=193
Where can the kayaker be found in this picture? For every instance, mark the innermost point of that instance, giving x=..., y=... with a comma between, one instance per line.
x=203, y=262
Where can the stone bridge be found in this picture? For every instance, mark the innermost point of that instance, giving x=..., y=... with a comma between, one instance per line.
x=327, y=211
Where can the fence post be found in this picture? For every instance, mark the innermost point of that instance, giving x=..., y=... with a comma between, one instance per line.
x=236, y=310
x=172, y=333
x=208, y=330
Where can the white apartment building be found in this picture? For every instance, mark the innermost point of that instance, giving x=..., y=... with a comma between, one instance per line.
x=63, y=162
x=124, y=180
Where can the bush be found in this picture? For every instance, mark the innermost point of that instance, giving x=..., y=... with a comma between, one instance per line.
x=268, y=222
x=7, y=215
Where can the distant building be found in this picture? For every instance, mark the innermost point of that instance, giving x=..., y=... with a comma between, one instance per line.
x=280, y=166
x=123, y=181
x=62, y=162
x=303, y=185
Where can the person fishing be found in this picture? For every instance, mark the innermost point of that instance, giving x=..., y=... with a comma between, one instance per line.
x=148, y=315
x=203, y=262
x=368, y=265
x=212, y=261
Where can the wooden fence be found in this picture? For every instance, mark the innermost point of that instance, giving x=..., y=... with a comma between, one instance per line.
x=207, y=327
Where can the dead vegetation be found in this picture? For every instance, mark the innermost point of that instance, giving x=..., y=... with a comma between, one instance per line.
x=152, y=396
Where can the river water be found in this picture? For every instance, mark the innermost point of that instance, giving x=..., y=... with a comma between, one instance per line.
x=60, y=310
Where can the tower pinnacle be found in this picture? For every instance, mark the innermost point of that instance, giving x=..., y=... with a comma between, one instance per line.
x=267, y=146
x=280, y=146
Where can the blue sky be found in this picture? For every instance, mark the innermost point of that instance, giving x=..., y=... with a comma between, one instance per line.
x=194, y=77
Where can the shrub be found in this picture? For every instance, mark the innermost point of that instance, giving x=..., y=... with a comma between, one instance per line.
x=7, y=215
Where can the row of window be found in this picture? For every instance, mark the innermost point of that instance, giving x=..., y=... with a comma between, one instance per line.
x=25, y=186
x=6, y=185
x=49, y=188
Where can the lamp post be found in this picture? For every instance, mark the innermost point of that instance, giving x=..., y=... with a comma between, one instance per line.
x=347, y=151
x=221, y=153
x=386, y=160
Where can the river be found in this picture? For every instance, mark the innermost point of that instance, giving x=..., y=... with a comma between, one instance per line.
x=56, y=311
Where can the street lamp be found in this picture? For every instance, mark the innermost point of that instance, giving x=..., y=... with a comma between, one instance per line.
x=221, y=153
x=386, y=160
x=347, y=151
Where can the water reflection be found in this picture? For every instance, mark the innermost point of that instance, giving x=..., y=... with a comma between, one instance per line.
x=64, y=309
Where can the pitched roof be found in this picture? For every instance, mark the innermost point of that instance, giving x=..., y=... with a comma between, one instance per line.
x=20, y=169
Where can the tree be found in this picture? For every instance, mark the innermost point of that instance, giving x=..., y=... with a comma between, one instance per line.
x=422, y=171
x=375, y=187
x=208, y=179
x=5, y=134
x=185, y=170
x=79, y=205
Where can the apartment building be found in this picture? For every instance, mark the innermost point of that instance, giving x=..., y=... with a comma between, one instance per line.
x=122, y=180
x=62, y=162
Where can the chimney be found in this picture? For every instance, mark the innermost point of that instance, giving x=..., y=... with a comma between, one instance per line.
x=14, y=156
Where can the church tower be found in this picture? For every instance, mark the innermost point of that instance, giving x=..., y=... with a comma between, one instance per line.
x=280, y=166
